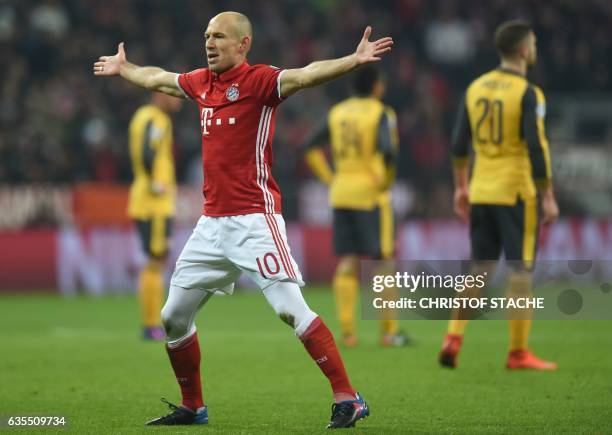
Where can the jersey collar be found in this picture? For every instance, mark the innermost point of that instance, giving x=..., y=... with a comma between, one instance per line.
x=509, y=71
x=231, y=74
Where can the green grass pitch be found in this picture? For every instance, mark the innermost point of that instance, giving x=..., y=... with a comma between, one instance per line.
x=83, y=358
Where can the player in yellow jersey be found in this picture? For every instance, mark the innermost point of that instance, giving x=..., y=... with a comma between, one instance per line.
x=502, y=116
x=364, y=142
x=152, y=200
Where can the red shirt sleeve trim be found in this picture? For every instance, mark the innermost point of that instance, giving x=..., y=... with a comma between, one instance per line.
x=180, y=88
x=278, y=84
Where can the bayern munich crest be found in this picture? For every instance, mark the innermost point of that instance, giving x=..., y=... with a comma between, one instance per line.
x=232, y=93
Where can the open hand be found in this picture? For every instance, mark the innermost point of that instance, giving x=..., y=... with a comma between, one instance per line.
x=370, y=51
x=110, y=65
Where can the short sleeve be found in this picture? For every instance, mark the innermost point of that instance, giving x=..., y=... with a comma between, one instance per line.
x=267, y=84
x=193, y=83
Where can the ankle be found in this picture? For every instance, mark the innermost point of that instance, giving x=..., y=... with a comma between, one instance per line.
x=344, y=396
x=193, y=406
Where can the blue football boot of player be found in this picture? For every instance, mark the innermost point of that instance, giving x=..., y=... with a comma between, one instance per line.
x=347, y=413
x=181, y=416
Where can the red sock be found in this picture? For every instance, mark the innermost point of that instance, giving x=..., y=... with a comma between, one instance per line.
x=320, y=344
x=185, y=360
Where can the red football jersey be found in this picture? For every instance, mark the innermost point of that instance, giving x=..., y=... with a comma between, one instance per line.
x=237, y=116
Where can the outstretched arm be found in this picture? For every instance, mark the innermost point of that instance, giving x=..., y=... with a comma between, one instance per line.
x=323, y=71
x=148, y=77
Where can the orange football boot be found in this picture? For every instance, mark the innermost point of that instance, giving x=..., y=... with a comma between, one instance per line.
x=349, y=340
x=450, y=349
x=524, y=359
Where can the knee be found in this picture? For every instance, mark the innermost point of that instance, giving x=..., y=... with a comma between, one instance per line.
x=155, y=263
x=166, y=317
x=291, y=312
x=287, y=301
x=174, y=324
x=284, y=312
x=297, y=316
x=519, y=283
x=287, y=318
x=348, y=265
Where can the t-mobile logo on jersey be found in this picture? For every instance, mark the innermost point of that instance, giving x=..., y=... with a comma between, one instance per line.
x=207, y=113
x=206, y=120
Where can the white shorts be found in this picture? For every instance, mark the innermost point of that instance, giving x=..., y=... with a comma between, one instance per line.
x=220, y=248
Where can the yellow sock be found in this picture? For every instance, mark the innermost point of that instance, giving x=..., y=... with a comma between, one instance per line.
x=457, y=327
x=519, y=334
x=460, y=317
x=345, y=289
x=151, y=290
x=519, y=319
x=388, y=324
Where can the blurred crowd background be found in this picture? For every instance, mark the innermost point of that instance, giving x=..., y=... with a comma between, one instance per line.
x=60, y=125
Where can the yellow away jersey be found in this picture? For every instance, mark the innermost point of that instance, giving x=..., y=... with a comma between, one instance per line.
x=360, y=165
x=505, y=120
x=150, y=137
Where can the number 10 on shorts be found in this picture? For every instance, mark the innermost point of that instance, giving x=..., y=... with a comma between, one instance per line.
x=269, y=264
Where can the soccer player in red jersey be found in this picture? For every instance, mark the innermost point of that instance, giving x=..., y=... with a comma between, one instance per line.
x=241, y=229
